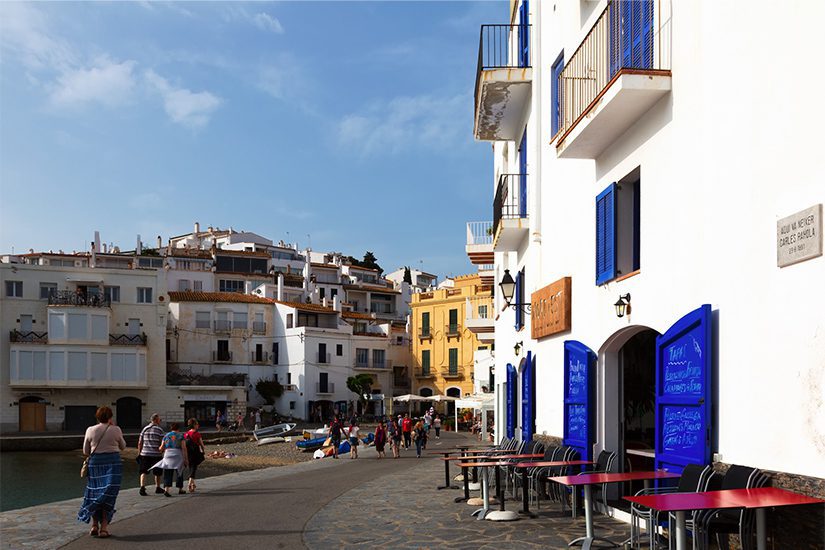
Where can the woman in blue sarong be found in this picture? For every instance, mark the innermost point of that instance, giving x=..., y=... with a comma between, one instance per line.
x=102, y=444
x=174, y=460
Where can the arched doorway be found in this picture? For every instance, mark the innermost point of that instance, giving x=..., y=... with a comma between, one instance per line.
x=423, y=405
x=32, y=411
x=452, y=392
x=129, y=412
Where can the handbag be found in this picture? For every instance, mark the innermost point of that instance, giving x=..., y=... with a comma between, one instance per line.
x=84, y=468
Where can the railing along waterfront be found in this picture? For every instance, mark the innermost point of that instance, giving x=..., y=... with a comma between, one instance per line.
x=623, y=39
x=511, y=198
x=479, y=233
x=74, y=298
x=501, y=47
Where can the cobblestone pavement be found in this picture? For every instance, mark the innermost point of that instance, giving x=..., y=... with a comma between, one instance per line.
x=406, y=511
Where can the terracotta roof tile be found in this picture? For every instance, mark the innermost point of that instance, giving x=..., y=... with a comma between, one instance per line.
x=356, y=315
x=373, y=288
x=256, y=253
x=233, y=297
x=306, y=307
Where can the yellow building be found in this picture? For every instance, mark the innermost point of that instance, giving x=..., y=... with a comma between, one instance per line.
x=445, y=328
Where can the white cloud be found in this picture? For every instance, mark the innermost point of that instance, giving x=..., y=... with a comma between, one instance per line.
x=107, y=82
x=266, y=22
x=401, y=123
x=26, y=34
x=184, y=106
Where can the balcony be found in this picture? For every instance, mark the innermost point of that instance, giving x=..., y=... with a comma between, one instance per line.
x=30, y=337
x=223, y=327
x=480, y=242
x=424, y=333
x=487, y=274
x=452, y=330
x=127, y=339
x=221, y=356
x=291, y=388
x=619, y=71
x=188, y=378
x=424, y=372
x=510, y=225
x=401, y=382
x=75, y=366
x=479, y=315
x=77, y=298
x=453, y=371
x=323, y=358
x=260, y=358
x=324, y=388
x=503, y=82
x=372, y=365
x=258, y=327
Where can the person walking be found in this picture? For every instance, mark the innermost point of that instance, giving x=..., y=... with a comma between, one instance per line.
x=335, y=429
x=174, y=459
x=406, y=429
x=239, y=421
x=195, y=451
x=257, y=419
x=394, y=436
x=352, y=433
x=420, y=437
x=380, y=438
x=148, y=453
x=219, y=420
x=437, y=426
x=102, y=445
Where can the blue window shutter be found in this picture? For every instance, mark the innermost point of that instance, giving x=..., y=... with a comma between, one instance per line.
x=522, y=169
x=518, y=298
x=524, y=34
x=555, y=99
x=606, y=235
x=511, y=400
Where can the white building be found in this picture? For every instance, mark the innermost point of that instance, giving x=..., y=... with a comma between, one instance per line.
x=653, y=151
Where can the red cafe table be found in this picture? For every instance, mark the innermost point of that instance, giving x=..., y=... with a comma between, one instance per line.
x=588, y=480
x=758, y=499
x=525, y=498
x=464, y=469
x=482, y=512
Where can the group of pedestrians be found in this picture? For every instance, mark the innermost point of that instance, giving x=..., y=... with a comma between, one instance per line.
x=405, y=431
x=337, y=429
x=165, y=454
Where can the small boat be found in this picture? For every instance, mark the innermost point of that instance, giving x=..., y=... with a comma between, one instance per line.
x=311, y=444
x=268, y=440
x=276, y=430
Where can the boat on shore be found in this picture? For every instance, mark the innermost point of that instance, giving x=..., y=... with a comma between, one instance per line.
x=276, y=430
x=269, y=440
x=312, y=444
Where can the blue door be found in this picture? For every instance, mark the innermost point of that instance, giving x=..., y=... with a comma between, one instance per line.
x=522, y=179
x=511, y=400
x=579, y=398
x=683, y=392
x=524, y=34
x=528, y=397
x=631, y=35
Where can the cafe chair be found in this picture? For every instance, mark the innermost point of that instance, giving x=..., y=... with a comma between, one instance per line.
x=692, y=480
x=713, y=482
x=537, y=477
x=731, y=522
x=534, y=447
x=604, y=464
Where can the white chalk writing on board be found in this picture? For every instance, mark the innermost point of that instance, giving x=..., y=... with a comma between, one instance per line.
x=683, y=367
x=682, y=428
x=577, y=381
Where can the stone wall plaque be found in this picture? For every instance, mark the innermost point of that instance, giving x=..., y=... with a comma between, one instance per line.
x=799, y=236
x=551, y=309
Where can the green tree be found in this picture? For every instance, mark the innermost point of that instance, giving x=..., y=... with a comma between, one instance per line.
x=371, y=261
x=407, y=275
x=270, y=389
x=360, y=384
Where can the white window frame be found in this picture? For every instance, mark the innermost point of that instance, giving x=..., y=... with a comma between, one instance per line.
x=144, y=295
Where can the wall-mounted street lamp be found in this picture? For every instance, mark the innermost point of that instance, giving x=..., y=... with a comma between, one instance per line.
x=517, y=347
x=623, y=305
x=508, y=288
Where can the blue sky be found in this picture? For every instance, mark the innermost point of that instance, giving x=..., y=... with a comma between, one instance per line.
x=350, y=122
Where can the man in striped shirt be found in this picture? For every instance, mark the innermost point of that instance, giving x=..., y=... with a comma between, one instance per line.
x=149, y=451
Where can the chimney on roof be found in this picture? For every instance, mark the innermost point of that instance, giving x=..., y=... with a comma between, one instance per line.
x=96, y=244
x=197, y=228
x=138, y=246
x=104, y=248
x=280, y=292
x=160, y=242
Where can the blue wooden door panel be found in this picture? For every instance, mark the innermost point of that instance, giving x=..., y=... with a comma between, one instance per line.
x=579, y=398
x=528, y=419
x=524, y=34
x=606, y=235
x=511, y=400
x=683, y=392
x=631, y=35
x=522, y=185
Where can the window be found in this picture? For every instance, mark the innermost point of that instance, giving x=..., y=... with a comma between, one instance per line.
x=555, y=97
x=144, y=295
x=183, y=285
x=197, y=285
x=275, y=354
x=227, y=285
x=362, y=357
x=425, y=323
x=223, y=351
x=168, y=349
x=259, y=353
x=239, y=319
x=322, y=353
x=292, y=405
x=111, y=293
x=47, y=289
x=157, y=263
x=518, y=297
x=323, y=382
x=618, y=228
x=289, y=320
x=379, y=358
x=425, y=361
x=453, y=361
x=339, y=349
x=322, y=292
x=482, y=311
x=453, y=328
x=14, y=289
x=333, y=293
x=202, y=319
x=307, y=319
x=399, y=340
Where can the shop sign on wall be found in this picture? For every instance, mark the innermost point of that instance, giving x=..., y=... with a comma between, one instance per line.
x=799, y=236
x=551, y=307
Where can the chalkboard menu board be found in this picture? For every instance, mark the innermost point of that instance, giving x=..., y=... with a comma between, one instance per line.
x=579, y=360
x=682, y=429
x=577, y=422
x=577, y=377
x=683, y=372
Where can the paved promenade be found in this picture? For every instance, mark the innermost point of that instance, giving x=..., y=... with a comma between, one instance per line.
x=321, y=504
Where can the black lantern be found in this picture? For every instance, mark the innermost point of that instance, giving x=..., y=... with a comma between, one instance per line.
x=508, y=289
x=623, y=305
x=517, y=347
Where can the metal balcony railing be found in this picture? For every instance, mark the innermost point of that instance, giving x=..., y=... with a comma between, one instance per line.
x=223, y=326
x=452, y=371
x=290, y=387
x=501, y=47
x=425, y=332
x=258, y=327
x=127, y=339
x=30, y=337
x=183, y=377
x=324, y=388
x=222, y=356
x=262, y=357
x=424, y=372
x=323, y=357
x=452, y=329
x=623, y=38
x=479, y=233
x=75, y=298
x=511, y=198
